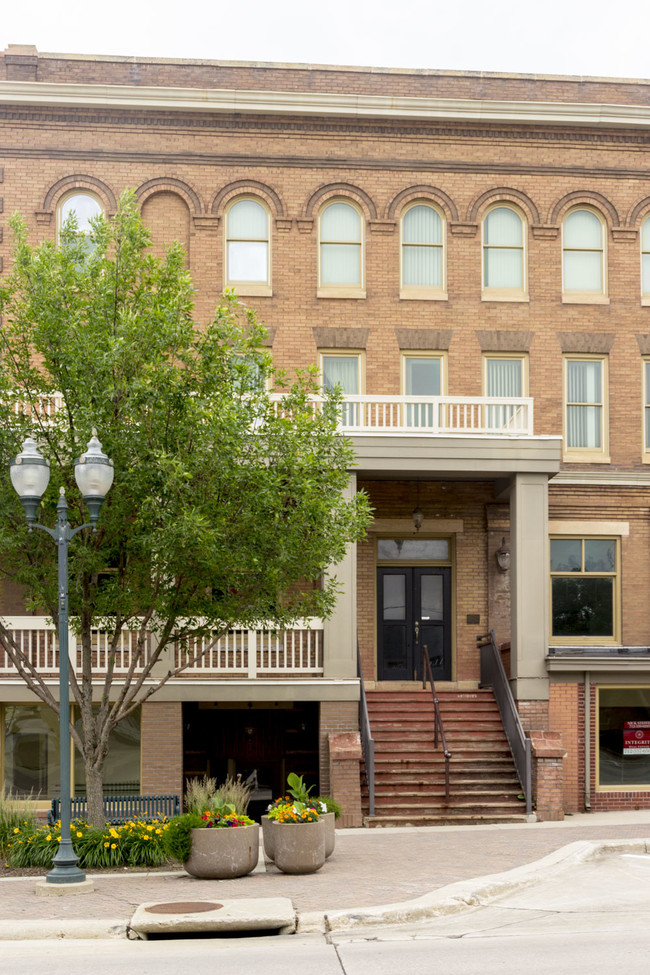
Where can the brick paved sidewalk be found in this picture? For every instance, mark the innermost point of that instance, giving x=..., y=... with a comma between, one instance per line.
x=368, y=867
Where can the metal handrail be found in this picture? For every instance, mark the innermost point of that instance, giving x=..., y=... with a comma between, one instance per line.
x=493, y=675
x=427, y=674
x=367, y=741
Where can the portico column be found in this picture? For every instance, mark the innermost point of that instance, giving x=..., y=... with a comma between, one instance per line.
x=529, y=586
x=340, y=630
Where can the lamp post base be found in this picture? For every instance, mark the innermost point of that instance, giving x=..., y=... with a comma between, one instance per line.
x=64, y=866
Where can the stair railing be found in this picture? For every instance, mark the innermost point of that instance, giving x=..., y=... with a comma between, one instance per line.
x=367, y=741
x=493, y=675
x=427, y=674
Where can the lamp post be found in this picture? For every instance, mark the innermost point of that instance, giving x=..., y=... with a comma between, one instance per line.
x=30, y=475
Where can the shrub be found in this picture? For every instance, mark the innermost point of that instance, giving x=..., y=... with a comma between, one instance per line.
x=135, y=844
x=14, y=813
x=177, y=839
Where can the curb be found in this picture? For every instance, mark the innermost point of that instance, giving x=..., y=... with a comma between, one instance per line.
x=78, y=930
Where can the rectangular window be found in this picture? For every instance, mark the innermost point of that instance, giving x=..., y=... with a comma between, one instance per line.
x=504, y=376
x=31, y=751
x=584, y=590
x=344, y=372
x=585, y=415
x=623, y=737
x=646, y=410
x=422, y=375
x=122, y=765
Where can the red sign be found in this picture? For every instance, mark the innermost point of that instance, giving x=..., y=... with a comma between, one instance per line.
x=636, y=738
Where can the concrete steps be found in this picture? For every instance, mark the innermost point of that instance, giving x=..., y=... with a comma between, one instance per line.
x=410, y=772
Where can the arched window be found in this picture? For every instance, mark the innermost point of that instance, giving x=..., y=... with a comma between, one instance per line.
x=423, y=266
x=247, y=264
x=583, y=249
x=504, y=266
x=645, y=258
x=84, y=206
x=340, y=244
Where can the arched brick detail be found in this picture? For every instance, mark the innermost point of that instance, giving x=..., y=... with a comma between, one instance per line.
x=169, y=184
x=329, y=190
x=80, y=181
x=506, y=194
x=638, y=212
x=590, y=199
x=247, y=186
x=423, y=192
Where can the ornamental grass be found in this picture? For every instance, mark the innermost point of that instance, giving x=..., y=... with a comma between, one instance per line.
x=134, y=844
x=14, y=813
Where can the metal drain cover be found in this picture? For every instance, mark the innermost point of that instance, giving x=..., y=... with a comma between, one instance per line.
x=183, y=907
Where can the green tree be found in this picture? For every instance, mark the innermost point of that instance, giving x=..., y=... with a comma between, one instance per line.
x=226, y=507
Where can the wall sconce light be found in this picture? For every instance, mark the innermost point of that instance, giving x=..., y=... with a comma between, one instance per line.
x=502, y=556
x=418, y=518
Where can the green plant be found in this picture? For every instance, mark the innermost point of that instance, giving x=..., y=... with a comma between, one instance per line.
x=134, y=844
x=297, y=787
x=14, y=813
x=234, y=791
x=177, y=840
x=294, y=812
x=331, y=805
x=200, y=793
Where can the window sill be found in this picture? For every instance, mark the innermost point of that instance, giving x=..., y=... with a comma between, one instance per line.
x=584, y=299
x=422, y=294
x=341, y=293
x=588, y=457
x=250, y=290
x=494, y=295
x=645, y=300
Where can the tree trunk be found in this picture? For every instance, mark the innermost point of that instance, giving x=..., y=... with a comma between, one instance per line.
x=95, y=793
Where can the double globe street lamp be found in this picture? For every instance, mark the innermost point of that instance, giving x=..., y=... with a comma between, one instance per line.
x=30, y=475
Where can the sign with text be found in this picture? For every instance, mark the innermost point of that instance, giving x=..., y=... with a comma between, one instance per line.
x=636, y=738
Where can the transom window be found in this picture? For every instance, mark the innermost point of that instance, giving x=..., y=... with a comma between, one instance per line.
x=247, y=247
x=340, y=230
x=584, y=588
x=585, y=424
x=422, y=249
x=583, y=255
x=503, y=251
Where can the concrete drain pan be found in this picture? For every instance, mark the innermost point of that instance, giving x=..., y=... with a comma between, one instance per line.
x=253, y=914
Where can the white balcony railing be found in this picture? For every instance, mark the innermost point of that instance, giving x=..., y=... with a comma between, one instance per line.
x=238, y=653
x=493, y=416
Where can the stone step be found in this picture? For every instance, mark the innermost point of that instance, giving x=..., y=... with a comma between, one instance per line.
x=443, y=819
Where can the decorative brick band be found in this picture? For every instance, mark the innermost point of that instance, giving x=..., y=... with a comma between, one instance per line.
x=424, y=339
x=340, y=338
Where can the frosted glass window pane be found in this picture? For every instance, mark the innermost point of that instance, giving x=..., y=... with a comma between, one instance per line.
x=248, y=220
x=122, y=766
x=84, y=207
x=646, y=273
x=503, y=268
x=431, y=607
x=503, y=226
x=341, y=264
x=504, y=377
x=583, y=426
x=422, y=225
x=583, y=271
x=647, y=383
x=247, y=260
x=583, y=229
x=647, y=429
x=584, y=381
x=645, y=235
x=343, y=371
x=31, y=751
x=340, y=222
x=422, y=266
x=422, y=376
x=395, y=597
x=566, y=555
x=413, y=550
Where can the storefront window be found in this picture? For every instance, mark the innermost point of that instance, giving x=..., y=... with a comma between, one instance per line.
x=31, y=753
x=122, y=765
x=624, y=737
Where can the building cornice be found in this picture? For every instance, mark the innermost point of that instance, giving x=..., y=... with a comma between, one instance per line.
x=173, y=99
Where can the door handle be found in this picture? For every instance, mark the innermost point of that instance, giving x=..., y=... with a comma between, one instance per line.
x=417, y=632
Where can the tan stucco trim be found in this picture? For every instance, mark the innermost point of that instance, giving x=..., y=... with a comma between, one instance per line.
x=589, y=528
x=316, y=689
x=321, y=103
x=404, y=526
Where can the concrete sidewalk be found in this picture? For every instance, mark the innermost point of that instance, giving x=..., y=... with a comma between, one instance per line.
x=369, y=868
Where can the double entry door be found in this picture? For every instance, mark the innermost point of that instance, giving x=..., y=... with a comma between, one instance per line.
x=414, y=611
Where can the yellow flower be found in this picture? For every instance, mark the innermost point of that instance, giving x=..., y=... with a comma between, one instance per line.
x=58, y=839
x=49, y=837
x=16, y=830
x=113, y=846
x=106, y=845
x=79, y=834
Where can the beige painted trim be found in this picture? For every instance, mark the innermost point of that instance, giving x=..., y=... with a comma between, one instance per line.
x=336, y=292
x=616, y=664
x=423, y=294
x=322, y=103
x=589, y=528
x=584, y=298
x=307, y=689
x=601, y=479
x=495, y=294
x=404, y=526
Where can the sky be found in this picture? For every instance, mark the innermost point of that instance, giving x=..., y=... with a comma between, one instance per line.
x=599, y=37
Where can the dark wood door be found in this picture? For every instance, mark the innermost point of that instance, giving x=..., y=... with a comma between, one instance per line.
x=414, y=611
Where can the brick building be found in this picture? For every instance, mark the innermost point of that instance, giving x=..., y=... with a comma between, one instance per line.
x=458, y=251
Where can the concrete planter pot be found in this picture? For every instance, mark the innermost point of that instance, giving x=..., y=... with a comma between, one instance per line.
x=267, y=836
x=221, y=854
x=299, y=847
x=329, y=821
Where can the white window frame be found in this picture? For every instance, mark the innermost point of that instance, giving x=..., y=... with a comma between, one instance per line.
x=335, y=290
x=589, y=297
x=505, y=294
x=248, y=288
x=582, y=455
x=69, y=196
x=417, y=292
